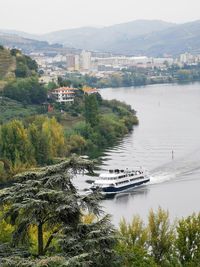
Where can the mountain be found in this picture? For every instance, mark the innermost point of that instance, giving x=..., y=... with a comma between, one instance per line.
x=21, y=34
x=12, y=39
x=173, y=41
x=25, y=44
x=140, y=37
x=100, y=39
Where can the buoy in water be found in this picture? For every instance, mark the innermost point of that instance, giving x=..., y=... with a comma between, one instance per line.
x=172, y=154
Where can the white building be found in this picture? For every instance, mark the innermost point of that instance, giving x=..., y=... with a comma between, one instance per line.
x=77, y=63
x=85, y=60
x=64, y=94
x=187, y=58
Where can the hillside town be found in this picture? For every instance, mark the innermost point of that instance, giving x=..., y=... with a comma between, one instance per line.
x=102, y=64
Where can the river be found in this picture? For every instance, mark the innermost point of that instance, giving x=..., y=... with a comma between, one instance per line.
x=169, y=118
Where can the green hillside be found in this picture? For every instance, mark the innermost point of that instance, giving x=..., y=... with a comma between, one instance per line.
x=7, y=66
x=11, y=109
x=13, y=64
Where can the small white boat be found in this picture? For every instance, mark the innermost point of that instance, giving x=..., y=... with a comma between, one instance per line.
x=116, y=181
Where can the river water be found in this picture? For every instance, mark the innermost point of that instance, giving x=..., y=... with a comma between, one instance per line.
x=169, y=117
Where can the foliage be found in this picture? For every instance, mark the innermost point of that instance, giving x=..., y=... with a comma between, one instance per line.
x=6, y=229
x=77, y=143
x=135, y=76
x=27, y=90
x=11, y=109
x=23, y=145
x=91, y=110
x=26, y=66
x=159, y=243
x=47, y=200
x=15, y=145
x=161, y=235
x=133, y=244
x=188, y=240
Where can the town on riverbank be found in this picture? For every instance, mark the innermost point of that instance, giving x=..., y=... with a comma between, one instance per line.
x=107, y=70
x=44, y=219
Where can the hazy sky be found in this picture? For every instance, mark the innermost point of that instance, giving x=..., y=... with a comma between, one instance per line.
x=39, y=16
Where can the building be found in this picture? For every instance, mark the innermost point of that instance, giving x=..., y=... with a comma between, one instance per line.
x=70, y=62
x=64, y=94
x=85, y=60
x=77, y=63
x=89, y=90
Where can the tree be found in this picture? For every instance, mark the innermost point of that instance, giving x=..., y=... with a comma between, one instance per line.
x=161, y=235
x=15, y=145
x=62, y=82
x=47, y=139
x=27, y=90
x=91, y=110
x=47, y=199
x=133, y=244
x=184, y=75
x=188, y=240
x=21, y=70
x=25, y=66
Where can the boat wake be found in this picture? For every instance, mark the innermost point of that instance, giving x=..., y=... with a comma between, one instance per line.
x=184, y=168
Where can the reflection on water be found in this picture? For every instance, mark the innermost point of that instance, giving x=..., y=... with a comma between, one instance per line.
x=125, y=196
x=169, y=121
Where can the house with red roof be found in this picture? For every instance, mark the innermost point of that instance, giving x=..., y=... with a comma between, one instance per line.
x=89, y=90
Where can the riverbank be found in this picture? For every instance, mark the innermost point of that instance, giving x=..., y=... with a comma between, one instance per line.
x=42, y=139
x=139, y=77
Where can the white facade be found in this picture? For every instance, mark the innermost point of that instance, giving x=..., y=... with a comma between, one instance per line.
x=64, y=94
x=85, y=60
x=77, y=63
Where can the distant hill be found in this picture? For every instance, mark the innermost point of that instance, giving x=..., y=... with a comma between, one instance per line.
x=140, y=37
x=20, y=33
x=174, y=41
x=107, y=37
x=26, y=45
x=14, y=39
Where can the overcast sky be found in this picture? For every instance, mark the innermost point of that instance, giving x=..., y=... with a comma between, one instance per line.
x=40, y=16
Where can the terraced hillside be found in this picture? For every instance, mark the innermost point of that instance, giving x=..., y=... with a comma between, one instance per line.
x=7, y=66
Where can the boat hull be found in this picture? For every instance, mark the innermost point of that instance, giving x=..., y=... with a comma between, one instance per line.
x=115, y=190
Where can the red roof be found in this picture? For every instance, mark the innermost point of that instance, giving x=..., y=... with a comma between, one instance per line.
x=90, y=90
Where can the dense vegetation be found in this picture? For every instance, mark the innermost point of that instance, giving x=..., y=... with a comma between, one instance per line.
x=14, y=64
x=160, y=243
x=44, y=221
x=44, y=215
x=38, y=140
x=30, y=136
x=27, y=91
x=10, y=109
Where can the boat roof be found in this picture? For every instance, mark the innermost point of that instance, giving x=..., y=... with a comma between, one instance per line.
x=117, y=172
x=109, y=175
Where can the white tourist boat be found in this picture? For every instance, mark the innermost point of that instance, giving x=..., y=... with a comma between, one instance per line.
x=116, y=181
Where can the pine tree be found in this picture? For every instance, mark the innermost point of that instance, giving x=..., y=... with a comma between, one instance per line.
x=91, y=110
x=47, y=199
